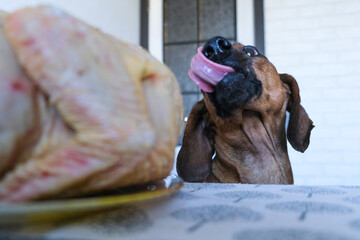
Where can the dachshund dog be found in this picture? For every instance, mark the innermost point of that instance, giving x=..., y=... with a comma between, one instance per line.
x=237, y=132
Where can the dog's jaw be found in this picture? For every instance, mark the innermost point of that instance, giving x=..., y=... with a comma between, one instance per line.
x=237, y=88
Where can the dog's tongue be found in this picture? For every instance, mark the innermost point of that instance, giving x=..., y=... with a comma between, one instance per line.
x=205, y=73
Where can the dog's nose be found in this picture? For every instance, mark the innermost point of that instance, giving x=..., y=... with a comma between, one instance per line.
x=217, y=49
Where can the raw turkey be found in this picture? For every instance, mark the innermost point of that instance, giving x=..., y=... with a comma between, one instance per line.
x=81, y=111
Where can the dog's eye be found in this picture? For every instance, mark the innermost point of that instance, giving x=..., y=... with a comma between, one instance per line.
x=250, y=51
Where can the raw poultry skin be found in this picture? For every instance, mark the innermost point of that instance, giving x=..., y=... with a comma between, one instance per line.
x=16, y=103
x=107, y=114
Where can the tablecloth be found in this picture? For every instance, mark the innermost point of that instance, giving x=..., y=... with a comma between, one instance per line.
x=223, y=211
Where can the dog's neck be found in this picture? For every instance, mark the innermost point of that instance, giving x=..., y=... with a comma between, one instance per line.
x=262, y=151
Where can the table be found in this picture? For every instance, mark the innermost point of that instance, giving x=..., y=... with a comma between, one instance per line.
x=223, y=211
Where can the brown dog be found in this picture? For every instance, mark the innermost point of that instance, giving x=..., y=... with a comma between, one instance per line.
x=237, y=134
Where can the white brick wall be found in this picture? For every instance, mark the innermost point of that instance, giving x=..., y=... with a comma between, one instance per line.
x=318, y=42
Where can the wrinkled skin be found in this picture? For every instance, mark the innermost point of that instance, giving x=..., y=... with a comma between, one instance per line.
x=242, y=122
x=91, y=113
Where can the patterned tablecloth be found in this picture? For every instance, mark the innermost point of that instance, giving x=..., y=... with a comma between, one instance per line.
x=226, y=211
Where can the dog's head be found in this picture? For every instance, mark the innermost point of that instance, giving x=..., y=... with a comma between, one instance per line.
x=235, y=77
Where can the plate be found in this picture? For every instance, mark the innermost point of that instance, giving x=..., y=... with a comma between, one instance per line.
x=55, y=210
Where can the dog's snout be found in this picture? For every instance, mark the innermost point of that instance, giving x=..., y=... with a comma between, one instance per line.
x=217, y=49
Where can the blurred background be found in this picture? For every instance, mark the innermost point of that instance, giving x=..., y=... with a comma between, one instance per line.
x=316, y=41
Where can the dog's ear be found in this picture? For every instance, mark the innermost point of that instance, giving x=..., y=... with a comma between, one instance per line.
x=195, y=156
x=300, y=125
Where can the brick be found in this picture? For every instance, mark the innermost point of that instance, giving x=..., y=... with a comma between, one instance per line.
x=323, y=58
x=296, y=3
x=338, y=170
x=350, y=132
x=320, y=33
x=281, y=14
x=325, y=181
x=291, y=35
x=307, y=170
x=316, y=10
x=338, y=21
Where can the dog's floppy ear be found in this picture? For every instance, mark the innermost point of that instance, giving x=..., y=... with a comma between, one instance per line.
x=195, y=156
x=300, y=125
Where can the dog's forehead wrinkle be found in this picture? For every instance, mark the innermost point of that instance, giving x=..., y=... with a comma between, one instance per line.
x=238, y=45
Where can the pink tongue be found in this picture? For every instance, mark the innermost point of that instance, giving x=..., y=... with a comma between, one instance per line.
x=205, y=73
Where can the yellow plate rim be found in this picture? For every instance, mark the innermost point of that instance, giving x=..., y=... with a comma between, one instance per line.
x=88, y=204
